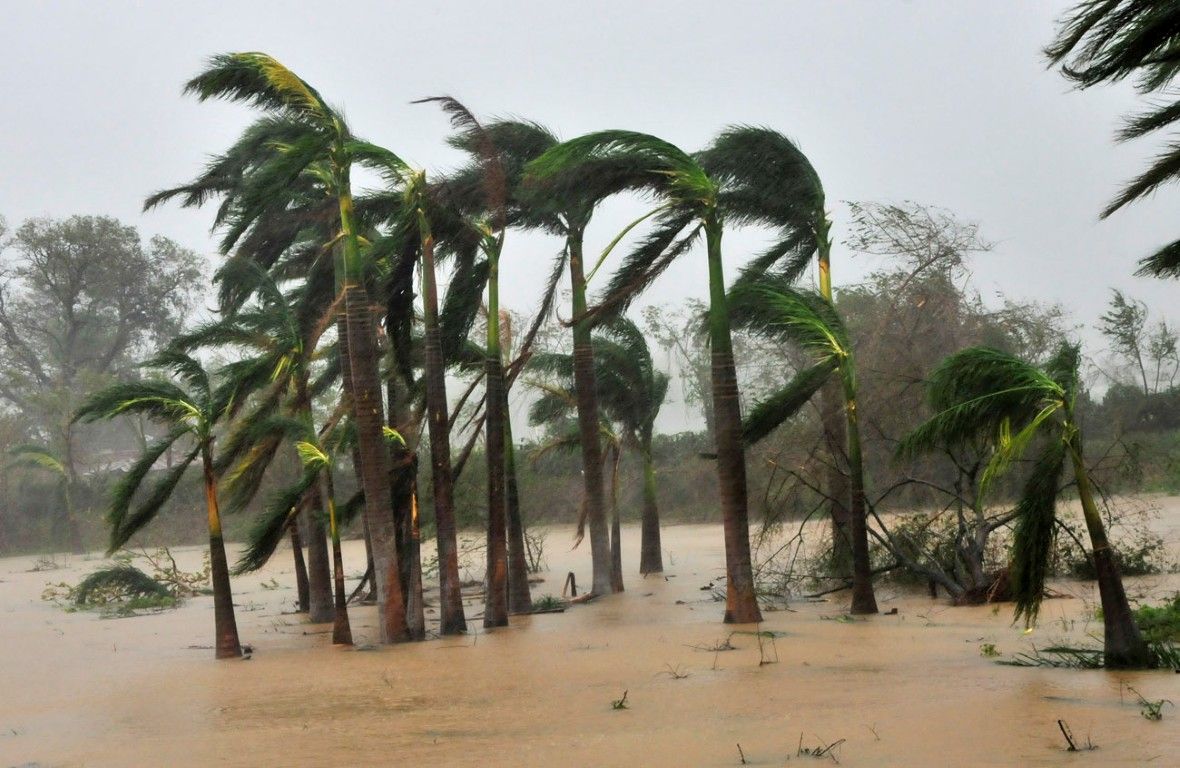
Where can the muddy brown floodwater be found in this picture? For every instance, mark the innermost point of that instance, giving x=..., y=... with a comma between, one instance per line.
x=910, y=689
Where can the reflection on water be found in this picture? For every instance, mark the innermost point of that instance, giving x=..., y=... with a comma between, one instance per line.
x=907, y=690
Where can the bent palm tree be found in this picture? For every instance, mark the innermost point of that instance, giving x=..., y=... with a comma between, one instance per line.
x=1108, y=41
x=190, y=414
x=766, y=180
x=770, y=307
x=691, y=207
x=42, y=458
x=982, y=392
x=320, y=139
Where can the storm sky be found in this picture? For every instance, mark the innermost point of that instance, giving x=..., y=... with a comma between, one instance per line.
x=946, y=103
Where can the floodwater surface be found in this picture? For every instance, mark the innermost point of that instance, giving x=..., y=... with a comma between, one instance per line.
x=908, y=689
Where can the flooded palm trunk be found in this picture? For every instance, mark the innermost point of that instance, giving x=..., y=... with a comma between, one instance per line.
x=616, y=534
x=588, y=426
x=374, y=461
x=226, y=643
x=519, y=598
x=302, y=589
x=1123, y=644
x=341, y=627
x=651, y=559
x=319, y=567
x=496, y=596
x=741, y=603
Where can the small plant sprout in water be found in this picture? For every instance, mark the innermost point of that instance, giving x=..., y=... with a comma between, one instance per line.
x=1151, y=709
x=677, y=672
x=989, y=650
x=620, y=703
x=820, y=751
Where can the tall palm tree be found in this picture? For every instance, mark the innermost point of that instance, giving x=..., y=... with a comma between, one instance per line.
x=1106, y=41
x=983, y=392
x=190, y=406
x=414, y=216
x=766, y=180
x=771, y=307
x=320, y=140
x=690, y=207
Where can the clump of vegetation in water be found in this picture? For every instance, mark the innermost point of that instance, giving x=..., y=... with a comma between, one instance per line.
x=1152, y=710
x=549, y=604
x=989, y=650
x=1160, y=624
x=123, y=589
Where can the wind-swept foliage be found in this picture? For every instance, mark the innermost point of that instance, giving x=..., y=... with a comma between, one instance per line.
x=1107, y=41
x=985, y=393
x=769, y=306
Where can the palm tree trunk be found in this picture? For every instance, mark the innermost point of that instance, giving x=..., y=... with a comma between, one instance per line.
x=302, y=588
x=374, y=463
x=1123, y=644
x=519, y=598
x=362, y=376
x=616, y=532
x=496, y=596
x=403, y=481
x=452, y=620
x=863, y=599
x=741, y=602
x=588, y=426
x=341, y=627
x=839, y=488
x=319, y=569
x=651, y=559
x=225, y=625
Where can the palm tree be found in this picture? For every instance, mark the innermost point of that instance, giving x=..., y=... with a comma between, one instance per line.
x=190, y=407
x=320, y=140
x=317, y=461
x=691, y=207
x=1108, y=41
x=631, y=392
x=771, y=307
x=983, y=392
x=766, y=180
x=278, y=336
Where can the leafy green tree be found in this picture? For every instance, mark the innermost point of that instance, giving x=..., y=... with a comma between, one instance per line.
x=1107, y=41
x=190, y=407
x=983, y=392
x=691, y=207
x=771, y=307
x=80, y=299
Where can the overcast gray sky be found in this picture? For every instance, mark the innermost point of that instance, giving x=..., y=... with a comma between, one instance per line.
x=937, y=101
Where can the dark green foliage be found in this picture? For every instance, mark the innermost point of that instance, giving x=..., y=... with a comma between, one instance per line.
x=1032, y=540
x=126, y=520
x=117, y=583
x=772, y=412
x=270, y=526
x=1160, y=624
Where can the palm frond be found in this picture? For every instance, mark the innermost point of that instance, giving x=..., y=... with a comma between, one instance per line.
x=259, y=80
x=37, y=457
x=157, y=399
x=1165, y=262
x=767, y=415
x=976, y=391
x=1163, y=170
x=126, y=519
x=268, y=528
x=1032, y=541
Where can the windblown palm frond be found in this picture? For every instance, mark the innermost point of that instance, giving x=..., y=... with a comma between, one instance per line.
x=1032, y=541
x=261, y=81
x=769, y=414
x=126, y=515
x=980, y=391
x=766, y=180
x=270, y=526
